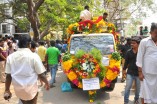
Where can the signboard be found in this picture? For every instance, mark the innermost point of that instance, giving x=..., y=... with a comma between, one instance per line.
x=91, y=84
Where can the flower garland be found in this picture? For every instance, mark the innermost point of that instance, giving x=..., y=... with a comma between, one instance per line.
x=97, y=25
x=87, y=65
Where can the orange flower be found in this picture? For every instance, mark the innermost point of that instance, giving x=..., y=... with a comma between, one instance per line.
x=71, y=26
x=72, y=75
x=102, y=84
x=80, y=85
x=110, y=75
x=92, y=92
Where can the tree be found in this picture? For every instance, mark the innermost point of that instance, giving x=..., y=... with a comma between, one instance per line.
x=44, y=15
x=62, y=12
x=127, y=8
x=24, y=10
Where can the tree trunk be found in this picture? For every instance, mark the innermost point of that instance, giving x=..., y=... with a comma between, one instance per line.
x=46, y=31
x=33, y=17
x=35, y=30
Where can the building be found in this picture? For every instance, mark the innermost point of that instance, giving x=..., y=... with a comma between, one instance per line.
x=7, y=26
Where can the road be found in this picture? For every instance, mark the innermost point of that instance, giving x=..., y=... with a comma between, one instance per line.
x=55, y=96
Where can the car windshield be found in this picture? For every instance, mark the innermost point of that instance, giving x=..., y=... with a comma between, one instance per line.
x=105, y=43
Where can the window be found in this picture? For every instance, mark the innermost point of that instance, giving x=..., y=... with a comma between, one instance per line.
x=5, y=28
x=104, y=43
x=7, y=12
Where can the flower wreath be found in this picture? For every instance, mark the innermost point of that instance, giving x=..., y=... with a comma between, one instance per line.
x=97, y=25
x=88, y=65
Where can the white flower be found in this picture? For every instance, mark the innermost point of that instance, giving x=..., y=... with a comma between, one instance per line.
x=84, y=66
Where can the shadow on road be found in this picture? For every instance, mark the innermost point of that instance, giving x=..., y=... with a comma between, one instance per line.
x=78, y=96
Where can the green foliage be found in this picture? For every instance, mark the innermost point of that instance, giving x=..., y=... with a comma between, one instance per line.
x=23, y=24
x=66, y=57
x=80, y=53
x=64, y=12
x=85, y=29
x=135, y=7
x=96, y=54
x=75, y=29
x=93, y=96
x=116, y=56
x=102, y=73
x=2, y=16
x=94, y=28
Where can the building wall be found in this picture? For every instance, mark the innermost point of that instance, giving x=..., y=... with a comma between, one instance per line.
x=7, y=26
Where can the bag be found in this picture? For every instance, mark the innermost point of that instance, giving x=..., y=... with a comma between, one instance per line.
x=66, y=87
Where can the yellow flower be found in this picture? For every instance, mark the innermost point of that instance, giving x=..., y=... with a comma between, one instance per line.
x=110, y=24
x=76, y=24
x=72, y=75
x=91, y=101
x=94, y=71
x=91, y=92
x=110, y=75
x=71, y=26
x=68, y=31
x=67, y=65
x=114, y=63
x=93, y=75
x=100, y=24
x=80, y=85
x=100, y=30
x=95, y=18
x=102, y=84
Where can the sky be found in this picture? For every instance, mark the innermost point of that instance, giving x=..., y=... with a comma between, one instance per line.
x=151, y=18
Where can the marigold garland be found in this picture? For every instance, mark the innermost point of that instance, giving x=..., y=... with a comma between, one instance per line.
x=97, y=25
x=87, y=66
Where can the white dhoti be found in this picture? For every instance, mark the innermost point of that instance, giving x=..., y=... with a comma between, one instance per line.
x=147, y=60
x=149, y=89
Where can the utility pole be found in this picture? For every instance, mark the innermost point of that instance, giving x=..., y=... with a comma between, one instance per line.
x=120, y=14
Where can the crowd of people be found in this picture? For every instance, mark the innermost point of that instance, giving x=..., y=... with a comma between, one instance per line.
x=143, y=31
x=23, y=62
x=139, y=58
x=8, y=45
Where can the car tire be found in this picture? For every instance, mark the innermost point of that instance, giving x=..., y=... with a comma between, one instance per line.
x=109, y=89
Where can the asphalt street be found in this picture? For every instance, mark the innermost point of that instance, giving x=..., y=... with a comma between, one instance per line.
x=78, y=96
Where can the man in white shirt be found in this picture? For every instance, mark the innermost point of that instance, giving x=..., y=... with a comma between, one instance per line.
x=147, y=67
x=85, y=14
x=23, y=69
